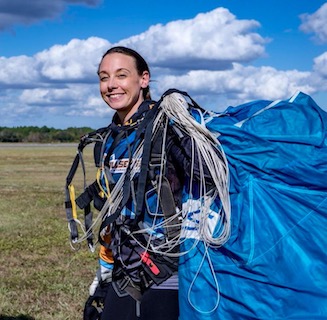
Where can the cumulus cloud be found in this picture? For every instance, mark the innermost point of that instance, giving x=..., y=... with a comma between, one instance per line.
x=211, y=40
x=58, y=81
x=241, y=83
x=320, y=65
x=43, y=105
x=77, y=61
x=18, y=72
x=316, y=23
x=31, y=11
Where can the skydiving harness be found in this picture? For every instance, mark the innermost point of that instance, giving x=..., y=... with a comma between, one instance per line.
x=151, y=157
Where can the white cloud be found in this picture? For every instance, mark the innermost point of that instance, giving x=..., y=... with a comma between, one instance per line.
x=320, y=65
x=76, y=61
x=45, y=96
x=240, y=83
x=316, y=23
x=209, y=41
x=18, y=71
x=75, y=99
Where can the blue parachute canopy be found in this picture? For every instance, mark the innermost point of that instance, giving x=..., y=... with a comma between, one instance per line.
x=274, y=266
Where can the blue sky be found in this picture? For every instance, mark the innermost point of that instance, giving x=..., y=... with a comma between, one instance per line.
x=223, y=52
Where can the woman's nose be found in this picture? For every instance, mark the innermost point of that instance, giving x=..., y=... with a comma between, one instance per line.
x=112, y=83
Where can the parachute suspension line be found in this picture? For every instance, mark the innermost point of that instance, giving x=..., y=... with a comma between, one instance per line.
x=167, y=247
x=176, y=108
x=204, y=228
x=204, y=209
x=101, y=176
x=155, y=224
x=206, y=256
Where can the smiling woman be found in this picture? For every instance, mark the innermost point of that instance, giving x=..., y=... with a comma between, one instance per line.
x=124, y=85
x=151, y=175
x=124, y=82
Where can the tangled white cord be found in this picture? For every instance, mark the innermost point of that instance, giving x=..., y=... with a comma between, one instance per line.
x=209, y=149
x=213, y=232
x=175, y=108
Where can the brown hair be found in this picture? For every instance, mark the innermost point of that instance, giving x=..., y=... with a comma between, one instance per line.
x=141, y=64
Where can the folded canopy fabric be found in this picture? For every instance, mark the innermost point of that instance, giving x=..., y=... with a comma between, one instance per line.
x=274, y=265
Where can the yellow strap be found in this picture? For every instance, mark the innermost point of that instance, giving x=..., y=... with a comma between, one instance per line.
x=98, y=175
x=71, y=189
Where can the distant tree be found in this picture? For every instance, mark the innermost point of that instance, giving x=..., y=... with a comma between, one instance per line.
x=7, y=135
x=42, y=134
x=63, y=136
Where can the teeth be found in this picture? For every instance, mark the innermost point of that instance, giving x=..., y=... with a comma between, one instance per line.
x=114, y=95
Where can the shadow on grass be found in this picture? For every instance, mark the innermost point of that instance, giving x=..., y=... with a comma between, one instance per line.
x=20, y=317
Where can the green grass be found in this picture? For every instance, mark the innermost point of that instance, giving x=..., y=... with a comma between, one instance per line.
x=41, y=276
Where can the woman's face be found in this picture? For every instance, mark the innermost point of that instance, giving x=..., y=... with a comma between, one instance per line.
x=121, y=86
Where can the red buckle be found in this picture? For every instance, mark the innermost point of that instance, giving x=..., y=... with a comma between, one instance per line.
x=145, y=258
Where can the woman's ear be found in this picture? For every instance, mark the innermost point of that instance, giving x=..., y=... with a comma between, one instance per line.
x=145, y=79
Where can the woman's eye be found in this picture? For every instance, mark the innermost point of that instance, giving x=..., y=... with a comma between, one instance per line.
x=103, y=78
x=121, y=76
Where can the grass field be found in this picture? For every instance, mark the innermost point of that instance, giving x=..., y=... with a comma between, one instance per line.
x=41, y=276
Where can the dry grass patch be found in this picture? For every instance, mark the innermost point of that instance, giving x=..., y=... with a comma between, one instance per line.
x=41, y=277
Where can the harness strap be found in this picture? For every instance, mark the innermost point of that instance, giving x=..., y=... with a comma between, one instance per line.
x=70, y=206
x=69, y=203
x=88, y=215
x=91, y=193
x=71, y=216
x=145, y=128
x=167, y=203
x=166, y=198
x=117, y=139
x=125, y=286
x=141, y=186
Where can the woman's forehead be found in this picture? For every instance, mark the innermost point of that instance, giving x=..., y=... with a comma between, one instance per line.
x=117, y=61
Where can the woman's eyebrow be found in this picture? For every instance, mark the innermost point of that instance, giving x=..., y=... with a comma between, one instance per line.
x=122, y=69
x=118, y=70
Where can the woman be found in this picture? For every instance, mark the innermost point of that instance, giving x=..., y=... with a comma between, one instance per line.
x=147, y=169
x=124, y=85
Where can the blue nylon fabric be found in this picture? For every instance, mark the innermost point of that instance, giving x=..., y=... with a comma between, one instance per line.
x=274, y=265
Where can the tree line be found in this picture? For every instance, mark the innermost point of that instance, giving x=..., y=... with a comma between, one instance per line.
x=42, y=134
